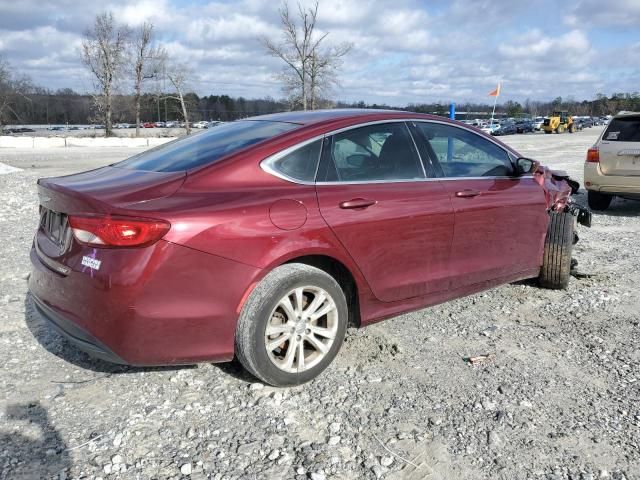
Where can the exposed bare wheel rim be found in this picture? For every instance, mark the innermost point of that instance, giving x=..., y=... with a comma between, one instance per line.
x=301, y=329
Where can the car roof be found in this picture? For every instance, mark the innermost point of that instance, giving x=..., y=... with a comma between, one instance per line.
x=626, y=113
x=311, y=117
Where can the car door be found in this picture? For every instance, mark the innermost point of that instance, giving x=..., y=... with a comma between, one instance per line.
x=500, y=218
x=396, y=224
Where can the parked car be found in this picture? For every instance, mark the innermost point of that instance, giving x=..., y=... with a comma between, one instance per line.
x=171, y=124
x=524, y=126
x=263, y=239
x=612, y=167
x=490, y=128
x=505, y=128
x=148, y=125
x=159, y=124
x=201, y=124
x=587, y=122
x=537, y=123
x=122, y=125
x=14, y=130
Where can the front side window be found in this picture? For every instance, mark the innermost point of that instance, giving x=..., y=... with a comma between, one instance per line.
x=462, y=153
x=375, y=152
x=206, y=148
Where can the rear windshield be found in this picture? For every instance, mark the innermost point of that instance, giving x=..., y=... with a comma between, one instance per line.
x=207, y=147
x=623, y=129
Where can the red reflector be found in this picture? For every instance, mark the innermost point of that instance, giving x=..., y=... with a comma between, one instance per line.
x=593, y=155
x=116, y=231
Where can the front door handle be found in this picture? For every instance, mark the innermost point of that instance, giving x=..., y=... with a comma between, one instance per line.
x=358, y=203
x=467, y=193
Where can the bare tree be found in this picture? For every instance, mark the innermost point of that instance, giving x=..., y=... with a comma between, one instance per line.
x=147, y=61
x=296, y=46
x=12, y=89
x=179, y=76
x=309, y=71
x=104, y=53
x=323, y=71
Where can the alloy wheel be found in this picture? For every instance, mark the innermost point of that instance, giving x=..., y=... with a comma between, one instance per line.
x=301, y=329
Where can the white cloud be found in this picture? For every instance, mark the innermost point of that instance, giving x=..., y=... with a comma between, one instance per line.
x=403, y=51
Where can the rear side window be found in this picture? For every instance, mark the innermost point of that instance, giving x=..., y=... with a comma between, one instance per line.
x=623, y=129
x=300, y=164
x=206, y=148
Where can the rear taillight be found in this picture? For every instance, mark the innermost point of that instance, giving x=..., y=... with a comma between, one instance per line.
x=116, y=231
x=593, y=155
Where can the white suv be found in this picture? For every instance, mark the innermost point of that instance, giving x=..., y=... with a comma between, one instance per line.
x=612, y=167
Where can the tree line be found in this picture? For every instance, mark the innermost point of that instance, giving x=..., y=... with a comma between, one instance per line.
x=39, y=106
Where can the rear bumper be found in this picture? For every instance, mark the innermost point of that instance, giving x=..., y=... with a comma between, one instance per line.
x=75, y=334
x=161, y=305
x=594, y=179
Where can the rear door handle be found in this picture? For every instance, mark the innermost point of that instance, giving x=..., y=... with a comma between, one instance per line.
x=357, y=203
x=467, y=193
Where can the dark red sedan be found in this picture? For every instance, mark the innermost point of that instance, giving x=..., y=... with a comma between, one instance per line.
x=265, y=238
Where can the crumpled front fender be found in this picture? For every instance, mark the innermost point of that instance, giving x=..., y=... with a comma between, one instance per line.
x=557, y=186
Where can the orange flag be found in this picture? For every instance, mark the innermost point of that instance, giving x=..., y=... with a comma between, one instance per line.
x=496, y=92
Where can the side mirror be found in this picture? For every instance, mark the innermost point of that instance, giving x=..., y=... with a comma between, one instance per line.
x=526, y=165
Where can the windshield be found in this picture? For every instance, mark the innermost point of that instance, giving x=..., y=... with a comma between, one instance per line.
x=205, y=148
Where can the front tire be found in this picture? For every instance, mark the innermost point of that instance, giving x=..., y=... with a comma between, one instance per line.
x=556, y=262
x=598, y=201
x=292, y=325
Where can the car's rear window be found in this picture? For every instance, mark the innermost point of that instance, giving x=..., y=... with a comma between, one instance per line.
x=207, y=147
x=623, y=129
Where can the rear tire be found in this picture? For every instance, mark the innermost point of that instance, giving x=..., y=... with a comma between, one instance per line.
x=598, y=201
x=560, y=129
x=556, y=262
x=299, y=346
x=572, y=128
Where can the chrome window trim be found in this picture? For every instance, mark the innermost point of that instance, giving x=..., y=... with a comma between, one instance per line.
x=413, y=180
x=266, y=164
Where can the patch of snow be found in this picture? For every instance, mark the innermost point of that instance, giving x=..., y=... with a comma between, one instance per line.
x=4, y=168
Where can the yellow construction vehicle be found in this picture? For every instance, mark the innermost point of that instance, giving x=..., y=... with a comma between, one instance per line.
x=559, y=122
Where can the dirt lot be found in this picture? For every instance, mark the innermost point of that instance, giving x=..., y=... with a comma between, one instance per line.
x=559, y=400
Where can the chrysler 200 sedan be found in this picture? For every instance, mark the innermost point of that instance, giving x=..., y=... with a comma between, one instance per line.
x=263, y=239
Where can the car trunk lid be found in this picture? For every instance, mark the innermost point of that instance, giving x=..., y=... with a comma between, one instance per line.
x=619, y=148
x=107, y=190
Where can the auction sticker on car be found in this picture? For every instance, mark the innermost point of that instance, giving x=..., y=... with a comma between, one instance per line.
x=91, y=262
x=613, y=135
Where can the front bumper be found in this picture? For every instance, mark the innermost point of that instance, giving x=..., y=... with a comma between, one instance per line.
x=161, y=305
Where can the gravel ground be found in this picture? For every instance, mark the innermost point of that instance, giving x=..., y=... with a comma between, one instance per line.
x=559, y=398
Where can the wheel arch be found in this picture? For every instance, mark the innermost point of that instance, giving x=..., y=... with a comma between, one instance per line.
x=341, y=273
x=352, y=283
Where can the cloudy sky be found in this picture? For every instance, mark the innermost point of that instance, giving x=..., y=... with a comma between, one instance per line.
x=404, y=50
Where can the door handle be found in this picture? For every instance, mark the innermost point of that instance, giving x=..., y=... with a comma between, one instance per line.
x=357, y=203
x=467, y=193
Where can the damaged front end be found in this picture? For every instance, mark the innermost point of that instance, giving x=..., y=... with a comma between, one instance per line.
x=558, y=188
